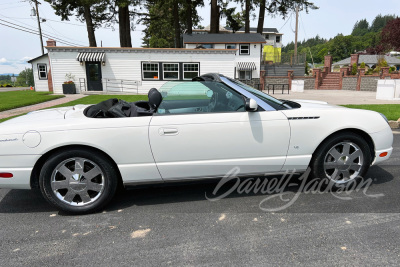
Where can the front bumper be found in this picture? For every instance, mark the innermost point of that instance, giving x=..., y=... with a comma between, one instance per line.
x=383, y=141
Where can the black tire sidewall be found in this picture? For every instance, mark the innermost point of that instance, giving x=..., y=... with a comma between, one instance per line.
x=317, y=163
x=110, y=180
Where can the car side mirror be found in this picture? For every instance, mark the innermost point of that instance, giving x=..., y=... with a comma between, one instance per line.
x=251, y=105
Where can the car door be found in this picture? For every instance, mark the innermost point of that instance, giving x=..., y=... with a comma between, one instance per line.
x=204, y=131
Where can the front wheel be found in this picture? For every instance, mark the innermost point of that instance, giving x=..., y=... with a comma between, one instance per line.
x=78, y=181
x=341, y=159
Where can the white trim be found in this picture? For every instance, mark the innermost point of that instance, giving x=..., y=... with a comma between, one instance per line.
x=143, y=71
x=183, y=70
x=39, y=71
x=163, y=70
x=240, y=49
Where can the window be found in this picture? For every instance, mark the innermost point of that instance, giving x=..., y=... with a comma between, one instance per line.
x=171, y=71
x=42, y=71
x=244, y=49
x=207, y=46
x=278, y=39
x=199, y=97
x=245, y=75
x=190, y=70
x=267, y=36
x=150, y=71
x=230, y=46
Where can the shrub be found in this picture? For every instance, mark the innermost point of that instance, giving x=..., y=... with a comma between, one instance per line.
x=391, y=69
x=354, y=69
x=362, y=65
x=369, y=72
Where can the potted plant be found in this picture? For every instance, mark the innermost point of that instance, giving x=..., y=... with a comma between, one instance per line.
x=69, y=84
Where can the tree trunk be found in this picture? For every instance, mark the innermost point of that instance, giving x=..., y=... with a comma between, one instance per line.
x=214, y=19
x=189, y=22
x=124, y=26
x=261, y=15
x=247, y=17
x=89, y=26
x=176, y=25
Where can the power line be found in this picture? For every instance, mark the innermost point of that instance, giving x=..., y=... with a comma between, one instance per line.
x=62, y=39
x=35, y=32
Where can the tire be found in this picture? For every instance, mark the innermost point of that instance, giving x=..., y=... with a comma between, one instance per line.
x=341, y=160
x=78, y=181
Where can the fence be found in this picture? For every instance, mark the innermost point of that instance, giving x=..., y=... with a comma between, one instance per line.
x=118, y=85
x=284, y=58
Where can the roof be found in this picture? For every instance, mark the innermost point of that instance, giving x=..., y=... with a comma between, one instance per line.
x=223, y=38
x=369, y=59
x=254, y=29
x=33, y=59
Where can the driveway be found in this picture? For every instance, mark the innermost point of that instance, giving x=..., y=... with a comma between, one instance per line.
x=178, y=226
x=337, y=97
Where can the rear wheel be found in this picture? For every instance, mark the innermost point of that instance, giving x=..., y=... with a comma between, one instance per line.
x=78, y=181
x=341, y=159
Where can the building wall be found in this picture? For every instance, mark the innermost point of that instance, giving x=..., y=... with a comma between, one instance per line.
x=349, y=83
x=128, y=66
x=40, y=85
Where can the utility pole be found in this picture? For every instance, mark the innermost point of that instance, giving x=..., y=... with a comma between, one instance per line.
x=40, y=28
x=295, y=37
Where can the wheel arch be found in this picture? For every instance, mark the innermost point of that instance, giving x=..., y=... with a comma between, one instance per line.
x=361, y=133
x=34, y=179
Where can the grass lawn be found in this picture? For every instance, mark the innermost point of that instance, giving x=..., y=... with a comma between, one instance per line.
x=17, y=99
x=391, y=111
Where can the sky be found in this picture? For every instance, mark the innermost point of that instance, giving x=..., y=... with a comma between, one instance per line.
x=16, y=47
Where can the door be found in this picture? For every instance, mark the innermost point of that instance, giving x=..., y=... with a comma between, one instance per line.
x=93, y=76
x=210, y=134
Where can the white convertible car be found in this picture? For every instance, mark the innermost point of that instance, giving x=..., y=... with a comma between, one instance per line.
x=189, y=130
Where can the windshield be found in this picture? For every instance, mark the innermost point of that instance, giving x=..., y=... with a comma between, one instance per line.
x=263, y=96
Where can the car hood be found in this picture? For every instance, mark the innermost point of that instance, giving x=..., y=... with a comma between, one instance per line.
x=314, y=104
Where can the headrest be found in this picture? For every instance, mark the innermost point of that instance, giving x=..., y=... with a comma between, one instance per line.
x=155, y=98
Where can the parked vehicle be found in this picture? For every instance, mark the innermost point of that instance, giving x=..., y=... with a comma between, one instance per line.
x=190, y=130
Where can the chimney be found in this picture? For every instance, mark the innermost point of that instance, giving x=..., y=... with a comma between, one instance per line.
x=51, y=42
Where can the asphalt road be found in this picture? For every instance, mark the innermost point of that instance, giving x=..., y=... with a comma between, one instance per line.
x=177, y=225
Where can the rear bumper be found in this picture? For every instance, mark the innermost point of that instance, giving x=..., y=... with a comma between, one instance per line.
x=20, y=179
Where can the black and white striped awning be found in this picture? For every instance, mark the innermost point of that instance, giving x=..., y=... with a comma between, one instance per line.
x=91, y=56
x=246, y=66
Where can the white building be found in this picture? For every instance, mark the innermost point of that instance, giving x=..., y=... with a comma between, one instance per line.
x=247, y=47
x=134, y=70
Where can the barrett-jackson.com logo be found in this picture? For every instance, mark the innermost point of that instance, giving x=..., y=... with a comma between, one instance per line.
x=8, y=140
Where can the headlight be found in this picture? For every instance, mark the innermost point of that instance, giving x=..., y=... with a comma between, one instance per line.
x=383, y=116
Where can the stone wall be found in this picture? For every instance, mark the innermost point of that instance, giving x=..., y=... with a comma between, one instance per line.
x=309, y=82
x=276, y=80
x=254, y=82
x=349, y=83
x=369, y=83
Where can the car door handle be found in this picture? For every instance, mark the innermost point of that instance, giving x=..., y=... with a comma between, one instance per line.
x=168, y=131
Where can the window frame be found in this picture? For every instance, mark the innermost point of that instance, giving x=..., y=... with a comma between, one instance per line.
x=278, y=37
x=163, y=71
x=251, y=74
x=212, y=46
x=226, y=46
x=39, y=71
x=240, y=49
x=158, y=71
x=183, y=70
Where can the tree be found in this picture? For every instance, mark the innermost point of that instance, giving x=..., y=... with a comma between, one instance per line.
x=235, y=21
x=281, y=8
x=93, y=12
x=124, y=23
x=390, y=36
x=25, y=78
x=380, y=22
x=360, y=28
x=214, y=17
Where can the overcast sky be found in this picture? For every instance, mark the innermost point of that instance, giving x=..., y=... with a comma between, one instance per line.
x=16, y=46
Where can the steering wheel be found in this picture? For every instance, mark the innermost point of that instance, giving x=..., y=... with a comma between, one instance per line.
x=213, y=102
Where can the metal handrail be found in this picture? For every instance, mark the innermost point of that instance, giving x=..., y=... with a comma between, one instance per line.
x=119, y=85
x=82, y=81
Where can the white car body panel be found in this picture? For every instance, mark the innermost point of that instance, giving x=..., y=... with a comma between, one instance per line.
x=264, y=141
x=148, y=150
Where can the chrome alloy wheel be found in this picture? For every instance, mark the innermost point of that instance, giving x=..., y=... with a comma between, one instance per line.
x=77, y=181
x=343, y=162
